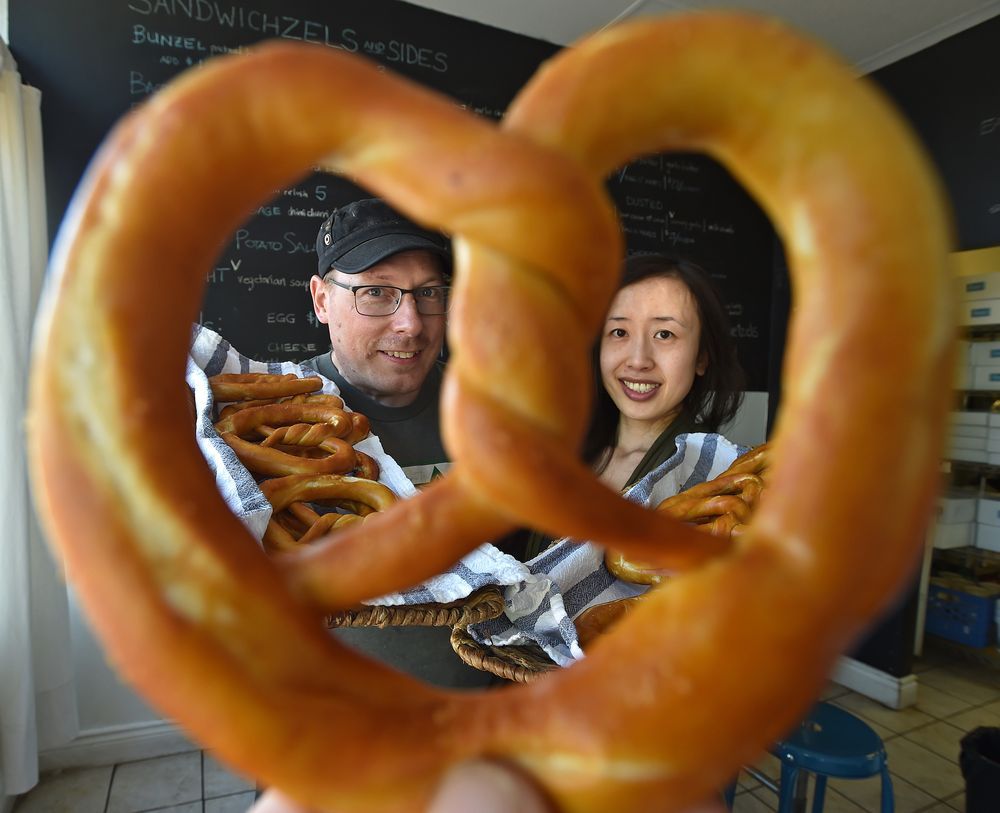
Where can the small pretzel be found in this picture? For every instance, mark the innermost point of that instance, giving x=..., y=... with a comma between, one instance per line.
x=316, y=424
x=252, y=386
x=360, y=429
x=316, y=435
x=238, y=406
x=756, y=461
x=368, y=467
x=318, y=398
x=327, y=524
x=284, y=534
x=270, y=462
x=248, y=423
x=282, y=491
x=303, y=512
x=293, y=491
x=598, y=619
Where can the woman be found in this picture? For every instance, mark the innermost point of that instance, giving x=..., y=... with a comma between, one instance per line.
x=666, y=365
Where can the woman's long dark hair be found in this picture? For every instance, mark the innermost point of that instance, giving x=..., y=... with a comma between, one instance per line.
x=715, y=396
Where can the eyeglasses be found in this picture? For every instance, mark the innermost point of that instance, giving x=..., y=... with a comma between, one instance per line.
x=383, y=300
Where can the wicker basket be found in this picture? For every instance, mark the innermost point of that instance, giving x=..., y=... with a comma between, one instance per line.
x=521, y=664
x=525, y=663
x=482, y=605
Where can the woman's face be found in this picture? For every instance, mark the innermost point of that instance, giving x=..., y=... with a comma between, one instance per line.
x=649, y=349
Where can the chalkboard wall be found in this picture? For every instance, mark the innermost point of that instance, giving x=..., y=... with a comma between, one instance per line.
x=93, y=61
x=950, y=92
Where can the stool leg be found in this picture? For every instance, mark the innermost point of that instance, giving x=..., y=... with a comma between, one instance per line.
x=888, y=805
x=787, y=790
x=729, y=795
x=819, y=793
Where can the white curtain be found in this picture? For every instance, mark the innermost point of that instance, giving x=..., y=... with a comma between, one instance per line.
x=37, y=695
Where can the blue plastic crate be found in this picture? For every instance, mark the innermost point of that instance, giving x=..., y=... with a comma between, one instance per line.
x=960, y=616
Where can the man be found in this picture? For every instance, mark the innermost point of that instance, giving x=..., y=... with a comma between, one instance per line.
x=381, y=288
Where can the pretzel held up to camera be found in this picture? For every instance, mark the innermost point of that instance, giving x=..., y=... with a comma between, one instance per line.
x=240, y=657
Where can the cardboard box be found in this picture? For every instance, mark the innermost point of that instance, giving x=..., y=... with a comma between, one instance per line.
x=986, y=377
x=970, y=418
x=980, y=312
x=988, y=537
x=988, y=511
x=979, y=286
x=954, y=508
x=959, y=430
x=954, y=535
x=962, y=442
x=963, y=377
x=963, y=366
x=984, y=352
x=969, y=455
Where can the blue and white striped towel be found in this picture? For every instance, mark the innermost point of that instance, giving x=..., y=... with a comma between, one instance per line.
x=569, y=577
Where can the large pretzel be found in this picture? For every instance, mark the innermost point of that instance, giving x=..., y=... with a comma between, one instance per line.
x=198, y=617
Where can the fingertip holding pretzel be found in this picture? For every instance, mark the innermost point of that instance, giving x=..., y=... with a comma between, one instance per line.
x=652, y=713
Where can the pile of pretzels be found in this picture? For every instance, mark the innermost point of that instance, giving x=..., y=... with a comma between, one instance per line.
x=300, y=445
x=227, y=640
x=721, y=507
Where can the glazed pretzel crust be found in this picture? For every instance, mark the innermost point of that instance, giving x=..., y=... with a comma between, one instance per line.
x=240, y=658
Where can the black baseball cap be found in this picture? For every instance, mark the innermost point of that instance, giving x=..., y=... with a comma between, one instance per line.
x=365, y=232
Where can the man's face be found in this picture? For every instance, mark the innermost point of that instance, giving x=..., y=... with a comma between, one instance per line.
x=386, y=357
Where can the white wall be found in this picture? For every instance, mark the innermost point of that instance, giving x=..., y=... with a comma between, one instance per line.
x=103, y=700
x=750, y=424
x=115, y=724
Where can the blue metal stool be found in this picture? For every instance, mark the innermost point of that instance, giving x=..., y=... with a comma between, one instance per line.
x=830, y=742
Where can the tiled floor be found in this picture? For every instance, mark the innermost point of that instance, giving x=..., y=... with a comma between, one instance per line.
x=191, y=782
x=922, y=743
